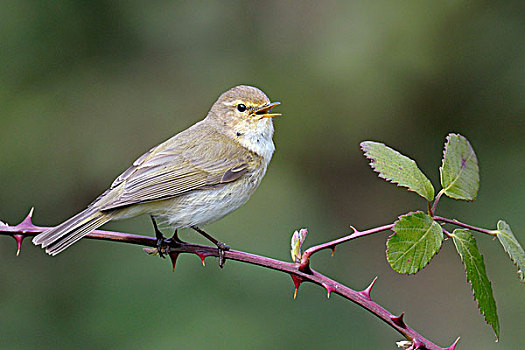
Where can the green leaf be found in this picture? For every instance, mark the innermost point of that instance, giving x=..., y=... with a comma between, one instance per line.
x=512, y=247
x=477, y=276
x=416, y=240
x=459, y=171
x=397, y=168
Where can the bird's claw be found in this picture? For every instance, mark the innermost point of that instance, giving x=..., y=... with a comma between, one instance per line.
x=162, y=247
x=222, y=247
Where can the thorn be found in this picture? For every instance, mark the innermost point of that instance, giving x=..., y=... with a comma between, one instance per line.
x=297, y=282
x=173, y=257
x=27, y=221
x=418, y=345
x=203, y=256
x=175, y=236
x=353, y=229
x=333, y=250
x=18, y=239
x=453, y=346
x=329, y=290
x=366, y=292
x=398, y=320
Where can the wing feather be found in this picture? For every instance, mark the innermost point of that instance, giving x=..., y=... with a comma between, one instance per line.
x=172, y=169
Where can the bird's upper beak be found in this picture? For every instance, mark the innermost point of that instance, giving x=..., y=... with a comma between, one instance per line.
x=263, y=112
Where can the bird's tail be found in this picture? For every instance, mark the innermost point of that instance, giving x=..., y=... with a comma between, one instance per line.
x=58, y=238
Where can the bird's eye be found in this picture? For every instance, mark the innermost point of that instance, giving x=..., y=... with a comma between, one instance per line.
x=241, y=108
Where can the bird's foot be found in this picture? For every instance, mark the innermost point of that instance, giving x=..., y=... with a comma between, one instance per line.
x=163, y=244
x=222, y=247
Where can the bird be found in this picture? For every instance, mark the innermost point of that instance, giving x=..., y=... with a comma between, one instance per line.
x=192, y=179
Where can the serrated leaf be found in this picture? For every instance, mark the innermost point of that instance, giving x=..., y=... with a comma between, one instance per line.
x=477, y=276
x=459, y=172
x=298, y=238
x=397, y=168
x=512, y=247
x=416, y=240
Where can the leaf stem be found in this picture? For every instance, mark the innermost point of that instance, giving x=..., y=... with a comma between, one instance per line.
x=436, y=201
x=462, y=224
x=448, y=234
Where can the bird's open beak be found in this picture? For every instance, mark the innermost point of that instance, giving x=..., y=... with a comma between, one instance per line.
x=263, y=111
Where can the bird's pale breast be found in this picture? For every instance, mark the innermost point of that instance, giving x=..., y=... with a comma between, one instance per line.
x=200, y=207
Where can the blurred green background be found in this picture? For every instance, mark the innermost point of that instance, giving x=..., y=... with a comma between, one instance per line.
x=86, y=87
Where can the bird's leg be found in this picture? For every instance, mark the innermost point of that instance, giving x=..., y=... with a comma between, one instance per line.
x=161, y=240
x=222, y=247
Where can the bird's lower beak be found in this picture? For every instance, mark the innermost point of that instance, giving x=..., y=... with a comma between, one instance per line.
x=263, y=111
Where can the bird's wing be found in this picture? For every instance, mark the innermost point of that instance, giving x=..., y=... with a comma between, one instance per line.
x=174, y=168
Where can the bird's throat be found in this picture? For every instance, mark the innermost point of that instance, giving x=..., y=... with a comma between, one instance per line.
x=258, y=140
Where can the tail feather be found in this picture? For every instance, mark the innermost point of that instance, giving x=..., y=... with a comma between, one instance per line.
x=58, y=238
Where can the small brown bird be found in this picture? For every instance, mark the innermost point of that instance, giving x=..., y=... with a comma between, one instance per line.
x=196, y=177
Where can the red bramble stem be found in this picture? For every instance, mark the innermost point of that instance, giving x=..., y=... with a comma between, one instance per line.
x=305, y=259
x=361, y=298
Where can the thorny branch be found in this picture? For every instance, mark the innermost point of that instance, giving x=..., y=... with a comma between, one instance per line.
x=298, y=274
x=305, y=259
